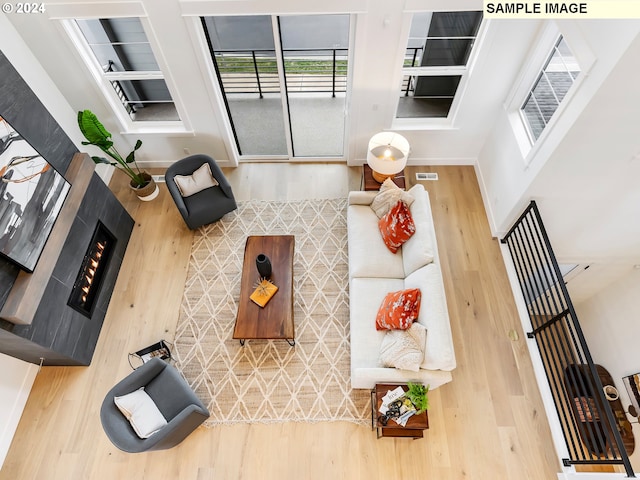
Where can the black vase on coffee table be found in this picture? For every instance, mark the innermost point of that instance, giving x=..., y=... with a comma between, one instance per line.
x=264, y=265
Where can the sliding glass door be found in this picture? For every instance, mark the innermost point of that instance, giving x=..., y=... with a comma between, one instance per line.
x=284, y=82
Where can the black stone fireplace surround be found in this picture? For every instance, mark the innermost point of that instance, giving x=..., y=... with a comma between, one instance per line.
x=48, y=330
x=43, y=327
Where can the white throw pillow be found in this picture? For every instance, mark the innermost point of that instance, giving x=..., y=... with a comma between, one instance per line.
x=141, y=411
x=196, y=182
x=388, y=196
x=404, y=349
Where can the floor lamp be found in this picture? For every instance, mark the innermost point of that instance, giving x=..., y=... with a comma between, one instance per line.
x=387, y=155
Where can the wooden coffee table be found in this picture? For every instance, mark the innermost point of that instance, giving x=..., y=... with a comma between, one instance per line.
x=275, y=319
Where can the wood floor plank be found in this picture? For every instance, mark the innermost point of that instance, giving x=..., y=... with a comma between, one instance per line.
x=488, y=423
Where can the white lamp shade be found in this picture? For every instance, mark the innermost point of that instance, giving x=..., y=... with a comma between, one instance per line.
x=388, y=153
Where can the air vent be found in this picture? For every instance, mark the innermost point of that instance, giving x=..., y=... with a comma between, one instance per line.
x=158, y=178
x=426, y=176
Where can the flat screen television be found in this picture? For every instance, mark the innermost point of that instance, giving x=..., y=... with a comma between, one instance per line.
x=32, y=193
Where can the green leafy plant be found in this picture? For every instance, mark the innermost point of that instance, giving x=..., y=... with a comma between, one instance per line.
x=97, y=135
x=417, y=393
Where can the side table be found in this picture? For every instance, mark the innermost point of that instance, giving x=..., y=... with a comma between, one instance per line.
x=415, y=425
x=370, y=184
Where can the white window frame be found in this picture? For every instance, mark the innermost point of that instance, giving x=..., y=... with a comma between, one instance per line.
x=436, y=123
x=103, y=81
x=537, y=59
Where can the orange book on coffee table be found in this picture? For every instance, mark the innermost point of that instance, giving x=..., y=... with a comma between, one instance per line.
x=263, y=292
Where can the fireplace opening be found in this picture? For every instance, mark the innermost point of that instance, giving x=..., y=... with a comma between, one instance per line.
x=94, y=264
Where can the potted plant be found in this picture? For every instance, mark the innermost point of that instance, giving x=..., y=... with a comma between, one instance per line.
x=417, y=393
x=141, y=182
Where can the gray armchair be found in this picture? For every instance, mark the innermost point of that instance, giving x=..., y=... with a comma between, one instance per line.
x=172, y=395
x=206, y=206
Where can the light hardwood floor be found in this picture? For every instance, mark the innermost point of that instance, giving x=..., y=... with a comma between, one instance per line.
x=487, y=424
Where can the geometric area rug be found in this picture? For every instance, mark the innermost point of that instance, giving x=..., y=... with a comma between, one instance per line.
x=267, y=381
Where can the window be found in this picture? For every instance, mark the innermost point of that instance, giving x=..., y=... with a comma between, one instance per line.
x=436, y=61
x=558, y=75
x=284, y=89
x=122, y=58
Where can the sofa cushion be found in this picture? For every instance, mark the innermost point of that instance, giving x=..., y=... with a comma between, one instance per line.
x=365, y=296
x=388, y=196
x=397, y=226
x=368, y=255
x=367, y=377
x=358, y=197
x=419, y=249
x=398, y=310
x=439, y=353
x=404, y=349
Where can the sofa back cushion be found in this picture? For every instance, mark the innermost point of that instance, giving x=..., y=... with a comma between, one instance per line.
x=419, y=250
x=439, y=353
x=365, y=296
x=368, y=255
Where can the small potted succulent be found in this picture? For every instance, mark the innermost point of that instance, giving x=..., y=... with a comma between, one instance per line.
x=141, y=182
x=417, y=393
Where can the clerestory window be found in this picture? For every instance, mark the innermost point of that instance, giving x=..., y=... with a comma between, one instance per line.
x=437, y=58
x=120, y=55
x=556, y=77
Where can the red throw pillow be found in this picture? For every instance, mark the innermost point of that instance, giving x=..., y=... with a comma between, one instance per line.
x=397, y=226
x=399, y=310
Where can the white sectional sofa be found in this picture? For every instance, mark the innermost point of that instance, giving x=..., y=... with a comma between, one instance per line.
x=374, y=271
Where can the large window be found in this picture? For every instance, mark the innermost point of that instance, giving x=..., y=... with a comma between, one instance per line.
x=436, y=61
x=558, y=74
x=284, y=82
x=121, y=56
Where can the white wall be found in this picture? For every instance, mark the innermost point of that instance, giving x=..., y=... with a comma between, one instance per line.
x=594, y=278
x=15, y=385
x=610, y=324
x=506, y=177
x=583, y=176
x=581, y=143
x=588, y=191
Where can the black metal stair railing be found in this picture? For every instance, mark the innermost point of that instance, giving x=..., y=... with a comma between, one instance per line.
x=590, y=429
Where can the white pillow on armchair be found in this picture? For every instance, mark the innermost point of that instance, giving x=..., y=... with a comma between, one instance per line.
x=141, y=411
x=196, y=182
